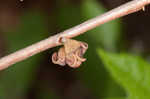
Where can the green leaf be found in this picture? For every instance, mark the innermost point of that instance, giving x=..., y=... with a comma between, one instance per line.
x=15, y=81
x=132, y=72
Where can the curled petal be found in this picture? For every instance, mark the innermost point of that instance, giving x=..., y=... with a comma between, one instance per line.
x=71, y=54
x=84, y=47
x=61, y=54
x=57, y=60
x=76, y=65
x=81, y=59
x=79, y=56
x=71, y=60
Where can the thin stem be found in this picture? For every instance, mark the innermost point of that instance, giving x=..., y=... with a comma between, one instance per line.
x=125, y=9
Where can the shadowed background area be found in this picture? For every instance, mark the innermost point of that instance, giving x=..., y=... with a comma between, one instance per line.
x=24, y=23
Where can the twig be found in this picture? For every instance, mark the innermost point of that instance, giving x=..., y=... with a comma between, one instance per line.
x=125, y=9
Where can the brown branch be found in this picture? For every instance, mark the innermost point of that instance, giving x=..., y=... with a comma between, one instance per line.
x=125, y=9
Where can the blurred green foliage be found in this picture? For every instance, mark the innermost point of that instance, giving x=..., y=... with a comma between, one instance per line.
x=108, y=34
x=105, y=36
x=15, y=81
x=132, y=72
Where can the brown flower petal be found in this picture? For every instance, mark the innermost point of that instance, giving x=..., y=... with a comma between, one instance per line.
x=84, y=47
x=71, y=60
x=71, y=54
x=76, y=65
x=71, y=45
x=79, y=56
x=59, y=58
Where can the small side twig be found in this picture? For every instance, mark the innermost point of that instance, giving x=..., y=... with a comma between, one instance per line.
x=125, y=9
